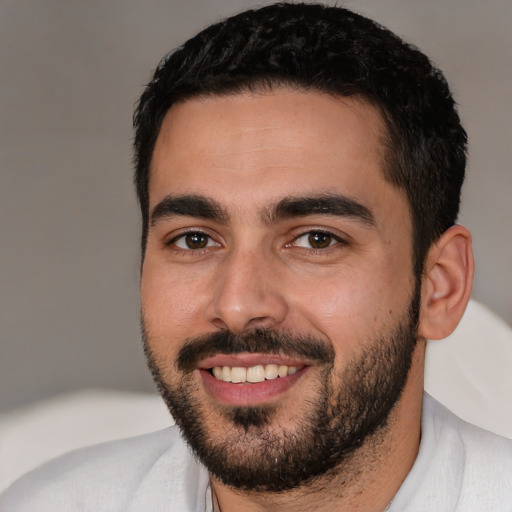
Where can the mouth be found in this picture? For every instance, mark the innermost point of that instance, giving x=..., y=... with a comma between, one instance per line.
x=250, y=379
x=253, y=374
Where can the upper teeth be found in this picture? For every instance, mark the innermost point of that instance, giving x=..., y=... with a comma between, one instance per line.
x=252, y=374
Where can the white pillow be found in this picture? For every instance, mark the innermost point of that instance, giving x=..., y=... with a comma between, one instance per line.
x=470, y=371
x=37, y=433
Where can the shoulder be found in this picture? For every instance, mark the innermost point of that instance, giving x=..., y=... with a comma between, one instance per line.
x=103, y=477
x=459, y=467
x=489, y=450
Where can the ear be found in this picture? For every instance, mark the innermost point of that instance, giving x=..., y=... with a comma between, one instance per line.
x=446, y=283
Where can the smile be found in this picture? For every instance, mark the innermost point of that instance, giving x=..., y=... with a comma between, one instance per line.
x=253, y=374
x=250, y=379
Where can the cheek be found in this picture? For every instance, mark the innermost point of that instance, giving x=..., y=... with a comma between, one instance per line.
x=171, y=307
x=351, y=306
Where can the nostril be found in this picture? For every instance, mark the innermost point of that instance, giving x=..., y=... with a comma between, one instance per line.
x=237, y=305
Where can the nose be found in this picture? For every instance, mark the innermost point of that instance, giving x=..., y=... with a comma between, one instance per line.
x=247, y=294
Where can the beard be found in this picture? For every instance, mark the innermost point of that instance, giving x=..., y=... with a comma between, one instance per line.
x=255, y=453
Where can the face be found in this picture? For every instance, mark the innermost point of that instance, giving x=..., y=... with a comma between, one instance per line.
x=278, y=296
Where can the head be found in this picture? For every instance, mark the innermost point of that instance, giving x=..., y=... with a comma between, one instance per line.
x=338, y=52
x=296, y=166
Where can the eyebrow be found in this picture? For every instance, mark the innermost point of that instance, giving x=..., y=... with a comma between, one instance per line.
x=327, y=204
x=289, y=207
x=190, y=206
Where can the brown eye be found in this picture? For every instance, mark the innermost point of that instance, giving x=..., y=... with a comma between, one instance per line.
x=193, y=241
x=196, y=240
x=319, y=240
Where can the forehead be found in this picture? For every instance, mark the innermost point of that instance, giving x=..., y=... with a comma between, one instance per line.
x=261, y=147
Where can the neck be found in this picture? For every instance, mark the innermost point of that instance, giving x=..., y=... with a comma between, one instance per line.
x=367, y=481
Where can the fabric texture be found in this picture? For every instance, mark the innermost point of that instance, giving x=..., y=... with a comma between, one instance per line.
x=41, y=432
x=459, y=468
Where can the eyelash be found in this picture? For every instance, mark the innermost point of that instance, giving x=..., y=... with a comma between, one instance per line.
x=333, y=241
x=197, y=232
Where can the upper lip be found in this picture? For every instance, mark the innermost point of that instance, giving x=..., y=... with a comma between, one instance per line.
x=247, y=359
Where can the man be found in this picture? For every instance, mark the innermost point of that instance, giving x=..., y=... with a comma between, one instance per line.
x=299, y=172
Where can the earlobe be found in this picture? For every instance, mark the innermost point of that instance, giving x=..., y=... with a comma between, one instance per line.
x=446, y=283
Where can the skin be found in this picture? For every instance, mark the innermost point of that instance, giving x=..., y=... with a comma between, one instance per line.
x=247, y=153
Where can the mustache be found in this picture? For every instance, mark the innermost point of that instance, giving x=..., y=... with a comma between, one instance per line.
x=259, y=340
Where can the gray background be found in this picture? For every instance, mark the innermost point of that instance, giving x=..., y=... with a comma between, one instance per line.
x=71, y=72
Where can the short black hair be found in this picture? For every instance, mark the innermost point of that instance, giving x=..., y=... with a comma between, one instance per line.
x=331, y=50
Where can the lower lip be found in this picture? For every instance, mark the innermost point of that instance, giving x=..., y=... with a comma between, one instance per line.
x=249, y=393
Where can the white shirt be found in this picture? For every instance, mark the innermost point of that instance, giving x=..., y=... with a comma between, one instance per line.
x=459, y=468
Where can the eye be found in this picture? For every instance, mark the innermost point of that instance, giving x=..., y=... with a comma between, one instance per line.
x=316, y=240
x=193, y=240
